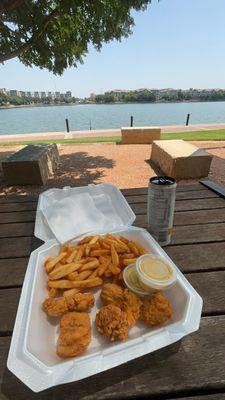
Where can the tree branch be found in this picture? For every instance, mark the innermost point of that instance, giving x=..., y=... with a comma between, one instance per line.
x=10, y=5
x=24, y=47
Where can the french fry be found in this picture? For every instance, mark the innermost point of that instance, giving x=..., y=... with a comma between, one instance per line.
x=115, y=270
x=103, y=267
x=104, y=245
x=124, y=240
x=108, y=273
x=84, y=275
x=66, y=284
x=87, y=239
x=63, y=270
x=71, y=292
x=71, y=257
x=97, y=253
x=79, y=254
x=94, y=273
x=50, y=263
x=128, y=255
x=72, y=276
x=114, y=255
x=53, y=292
x=90, y=265
x=129, y=261
x=134, y=248
x=141, y=249
x=94, y=240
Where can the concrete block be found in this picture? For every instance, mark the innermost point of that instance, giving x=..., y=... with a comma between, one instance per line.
x=180, y=159
x=140, y=135
x=32, y=165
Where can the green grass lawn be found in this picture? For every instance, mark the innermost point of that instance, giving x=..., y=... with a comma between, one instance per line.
x=199, y=135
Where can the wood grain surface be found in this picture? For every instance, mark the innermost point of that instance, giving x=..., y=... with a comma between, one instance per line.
x=190, y=369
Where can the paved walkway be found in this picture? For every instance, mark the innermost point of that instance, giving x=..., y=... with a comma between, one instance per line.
x=103, y=132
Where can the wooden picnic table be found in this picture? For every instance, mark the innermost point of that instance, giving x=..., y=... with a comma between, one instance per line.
x=192, y=368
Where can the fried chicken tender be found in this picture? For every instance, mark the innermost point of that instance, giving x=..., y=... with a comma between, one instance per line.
x=156, y=309
x=112, y=322
x=126, y=300
x=55, y=307
x=75, y=334
x=112, y=294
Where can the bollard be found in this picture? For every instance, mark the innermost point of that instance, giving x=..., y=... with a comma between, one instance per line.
x=67, y=125
x=187, y=120
x=90, y=126
x=131, y=120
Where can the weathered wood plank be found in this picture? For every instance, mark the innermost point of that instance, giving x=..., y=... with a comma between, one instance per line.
x=12, y=271
x=9, y=300
x=189, y=217
x=199, y=233
x=18, y=229
x=180, y=188
x=198, y=194
x=23, y=216
x=21, y=247
x=197, y=365
x=184, y=205
x=198, y=257
x=17, y=207
x=211, y=286
x=7, y=198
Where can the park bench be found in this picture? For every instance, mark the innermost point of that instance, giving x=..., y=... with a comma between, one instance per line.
x=180, y=159
x=140, y=135
x=32, y=165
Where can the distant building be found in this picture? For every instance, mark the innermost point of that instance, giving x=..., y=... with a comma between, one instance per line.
x=62, y=96
x=28, y=94
x=68, y=95
x=36, y=95
x=43, y=95
x=92, y=96
x=14, y=93
x=22, y=93
x=57, y=95
x=50, y=95
x=3, y=90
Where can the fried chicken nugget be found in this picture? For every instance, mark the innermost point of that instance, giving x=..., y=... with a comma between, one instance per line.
x=156, y=309
x=75, y=334
x=112, y=322
x=112, y=294
x=55, y=307
x=126, y=300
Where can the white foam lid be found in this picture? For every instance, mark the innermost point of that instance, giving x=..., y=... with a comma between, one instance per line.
x=68, y=213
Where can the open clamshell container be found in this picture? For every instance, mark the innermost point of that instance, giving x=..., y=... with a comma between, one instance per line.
x=32, y=356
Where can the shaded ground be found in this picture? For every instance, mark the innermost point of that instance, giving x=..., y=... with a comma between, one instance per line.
x=126, y=166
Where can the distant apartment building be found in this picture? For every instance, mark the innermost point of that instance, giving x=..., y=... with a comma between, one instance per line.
x=28, y=94
x=62, y=96
x=14, y=92
x=43, y=95
x=50, y=95
x=68, y=95
x=92, y=96
x=36, y=95
x=3, y=90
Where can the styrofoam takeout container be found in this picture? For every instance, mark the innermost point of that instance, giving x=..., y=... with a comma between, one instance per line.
x=32, y=356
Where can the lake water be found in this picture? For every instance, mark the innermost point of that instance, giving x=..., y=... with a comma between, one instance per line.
x=106, y=116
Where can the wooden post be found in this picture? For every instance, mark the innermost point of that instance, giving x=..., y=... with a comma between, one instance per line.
x=90, y=126
x=187, y=120
x=67, y=125
x=131, y=120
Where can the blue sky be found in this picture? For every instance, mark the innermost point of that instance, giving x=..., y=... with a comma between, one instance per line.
x=175, y=43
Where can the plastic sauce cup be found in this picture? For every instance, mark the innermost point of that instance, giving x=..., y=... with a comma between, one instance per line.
x=131, y=280
x=155, y=273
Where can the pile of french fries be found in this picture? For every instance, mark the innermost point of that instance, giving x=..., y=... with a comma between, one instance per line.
x=87, y=264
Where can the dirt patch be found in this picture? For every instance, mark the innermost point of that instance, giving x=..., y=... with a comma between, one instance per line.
x=126, y=166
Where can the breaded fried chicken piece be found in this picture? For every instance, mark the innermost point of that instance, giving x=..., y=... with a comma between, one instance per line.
x=124, y=299
x=112, y=322
x=55, y=307
x=132, y=306
x=75, y=334
x=112, y=294
x=156, y=309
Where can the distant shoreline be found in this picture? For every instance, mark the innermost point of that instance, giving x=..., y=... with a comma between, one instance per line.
x=8, y=107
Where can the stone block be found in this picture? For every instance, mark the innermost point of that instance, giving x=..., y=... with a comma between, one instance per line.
x=32, y=165
x=180, y=159
x=140, y=135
